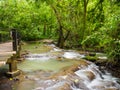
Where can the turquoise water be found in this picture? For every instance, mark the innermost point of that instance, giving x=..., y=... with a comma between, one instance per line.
x=46, y=65
x=52, y=65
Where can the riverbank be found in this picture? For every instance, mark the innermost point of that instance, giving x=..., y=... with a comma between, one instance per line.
x=114, y=70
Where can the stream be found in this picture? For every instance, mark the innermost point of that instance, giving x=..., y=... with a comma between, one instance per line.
x=47, y=67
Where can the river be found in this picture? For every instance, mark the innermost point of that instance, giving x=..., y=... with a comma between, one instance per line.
x=47, y=67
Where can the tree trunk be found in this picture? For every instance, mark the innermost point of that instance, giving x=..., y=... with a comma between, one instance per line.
x=44, y=30
x=84, y=32
x=61, y=39
x=84, y=19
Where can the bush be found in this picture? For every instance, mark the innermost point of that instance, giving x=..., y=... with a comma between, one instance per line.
x=98, y=40
x=114, y=52
x=4, y=36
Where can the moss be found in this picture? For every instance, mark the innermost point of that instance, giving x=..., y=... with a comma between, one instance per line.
x=91, y=58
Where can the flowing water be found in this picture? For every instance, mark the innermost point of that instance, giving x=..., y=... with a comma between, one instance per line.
x=48, y=68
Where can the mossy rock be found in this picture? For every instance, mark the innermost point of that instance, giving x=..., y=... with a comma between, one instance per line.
x=91, y=58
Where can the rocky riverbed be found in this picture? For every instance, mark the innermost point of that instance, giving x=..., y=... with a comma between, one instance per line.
x=47, y=67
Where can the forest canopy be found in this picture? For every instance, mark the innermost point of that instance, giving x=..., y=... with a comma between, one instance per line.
x=72, y=23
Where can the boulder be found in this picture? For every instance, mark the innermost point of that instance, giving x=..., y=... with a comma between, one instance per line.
x=90, y=75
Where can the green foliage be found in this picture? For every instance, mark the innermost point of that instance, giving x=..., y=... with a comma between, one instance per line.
x=4, y=36
x=113, y=26
x=27, y=18
x=107, y=35
x=91, y=23
x=91, y=58
x=98, y=39
x=114, y=52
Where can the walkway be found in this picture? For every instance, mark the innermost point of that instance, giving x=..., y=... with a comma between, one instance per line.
x=5, y=52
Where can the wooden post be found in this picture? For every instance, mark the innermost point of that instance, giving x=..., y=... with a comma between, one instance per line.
x=13, y=71
x=18, y=38
x=15, y=41
x=13, y=66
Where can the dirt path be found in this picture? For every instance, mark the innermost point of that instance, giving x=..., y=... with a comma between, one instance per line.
x=5, y=52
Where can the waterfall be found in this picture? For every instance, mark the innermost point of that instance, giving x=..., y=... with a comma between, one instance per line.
x=40, y=67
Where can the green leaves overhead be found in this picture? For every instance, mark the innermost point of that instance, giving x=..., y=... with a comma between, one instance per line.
x=90, y=23
x=24, y=15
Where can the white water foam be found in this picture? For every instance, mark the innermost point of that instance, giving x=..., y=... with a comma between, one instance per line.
x=72, y=55
x=100, y=81
x=41, y=57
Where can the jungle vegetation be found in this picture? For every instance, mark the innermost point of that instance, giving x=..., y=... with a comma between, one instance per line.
x=84, y=24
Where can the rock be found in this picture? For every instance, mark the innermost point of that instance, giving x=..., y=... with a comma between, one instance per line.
x=111, y=88
x=90, y=75
x=65, y=71
x=47, y=41
x=65, y=87
x=85, y=75
x=59, y=58
x=16, y=79
x=91, y=58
